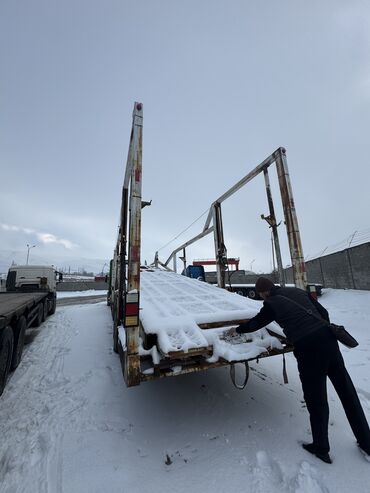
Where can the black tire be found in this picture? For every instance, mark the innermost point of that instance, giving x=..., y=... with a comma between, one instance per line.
x=252, y=294
x=40, y=312
x=19, y=335
x=6, y=352
x=53, y=306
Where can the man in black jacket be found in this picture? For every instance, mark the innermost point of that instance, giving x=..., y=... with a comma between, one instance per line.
x=318, y=356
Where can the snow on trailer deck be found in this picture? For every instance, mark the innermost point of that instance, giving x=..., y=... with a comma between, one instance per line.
x=181, y=312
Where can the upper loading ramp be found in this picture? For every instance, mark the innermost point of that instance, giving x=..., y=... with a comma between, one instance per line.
x=178, y=309
x=182, y=312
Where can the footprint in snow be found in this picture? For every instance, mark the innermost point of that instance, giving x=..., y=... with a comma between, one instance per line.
x=307, y=480
x=267, y=474
x=142, y=453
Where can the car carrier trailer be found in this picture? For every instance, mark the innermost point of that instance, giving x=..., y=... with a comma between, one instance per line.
x=30, y=298
x=165, y=324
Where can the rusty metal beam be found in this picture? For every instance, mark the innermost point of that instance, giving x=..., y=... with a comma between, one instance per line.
x=128, y=171
x=295, y=246
x=163, y=265
x=220, y=249
x=193, y=240
x=291, y=221
x=258, y=169
x=207, y=366
x=227, y=323
x=274, y=227
x=131, y=356
x=122, y=253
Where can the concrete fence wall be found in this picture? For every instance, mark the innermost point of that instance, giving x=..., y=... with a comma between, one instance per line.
x=348, y=269
x=81, y=285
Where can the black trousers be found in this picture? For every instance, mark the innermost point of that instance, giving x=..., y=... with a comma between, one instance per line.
x=319, y=357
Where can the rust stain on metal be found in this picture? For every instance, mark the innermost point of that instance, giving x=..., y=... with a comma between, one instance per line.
x=227, y=323
x=291, y=221
x=273, y=225
x=202, y=366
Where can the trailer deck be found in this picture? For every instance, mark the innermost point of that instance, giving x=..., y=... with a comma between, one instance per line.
x=189, y=318
x=12, y=303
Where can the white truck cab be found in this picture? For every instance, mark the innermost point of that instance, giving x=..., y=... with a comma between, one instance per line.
x=31, y=278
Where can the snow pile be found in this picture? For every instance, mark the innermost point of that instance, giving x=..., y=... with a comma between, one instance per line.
x=172, y=306
x=240, y=347
x=122, y=337
x=153, y=352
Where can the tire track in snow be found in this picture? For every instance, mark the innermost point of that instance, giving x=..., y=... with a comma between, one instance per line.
x=41, y=394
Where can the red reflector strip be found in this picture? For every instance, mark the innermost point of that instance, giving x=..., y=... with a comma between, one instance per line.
x=131, y=309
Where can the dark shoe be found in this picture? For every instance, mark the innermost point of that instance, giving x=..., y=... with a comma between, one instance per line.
x=324, y=456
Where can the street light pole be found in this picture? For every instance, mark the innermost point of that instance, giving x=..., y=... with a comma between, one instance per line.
x=252, y=263
x=28, y=251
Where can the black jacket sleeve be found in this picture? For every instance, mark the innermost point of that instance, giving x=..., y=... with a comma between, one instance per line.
x=263, y=318
x=322, y=311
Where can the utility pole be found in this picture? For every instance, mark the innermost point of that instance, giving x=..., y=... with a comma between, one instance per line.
x=28, y=251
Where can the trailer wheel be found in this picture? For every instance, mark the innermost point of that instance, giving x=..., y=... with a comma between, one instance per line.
x=53, y=306
x=20, y=332
x=40, y=312
x=6, y=351
x=252, y=294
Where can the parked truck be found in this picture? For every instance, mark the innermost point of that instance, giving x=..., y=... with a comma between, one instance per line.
x=30, y=297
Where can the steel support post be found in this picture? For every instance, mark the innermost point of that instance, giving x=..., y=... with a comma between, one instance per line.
x=220, y=249
x=291, y=221
x=132, y=357
x=274, y=228
x=122, y=245
x=183, y=258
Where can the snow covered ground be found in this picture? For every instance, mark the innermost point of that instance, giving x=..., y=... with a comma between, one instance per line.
x=88, y=292
x=68, y=423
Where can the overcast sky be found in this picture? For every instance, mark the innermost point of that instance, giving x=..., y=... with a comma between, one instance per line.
x=223, y=84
